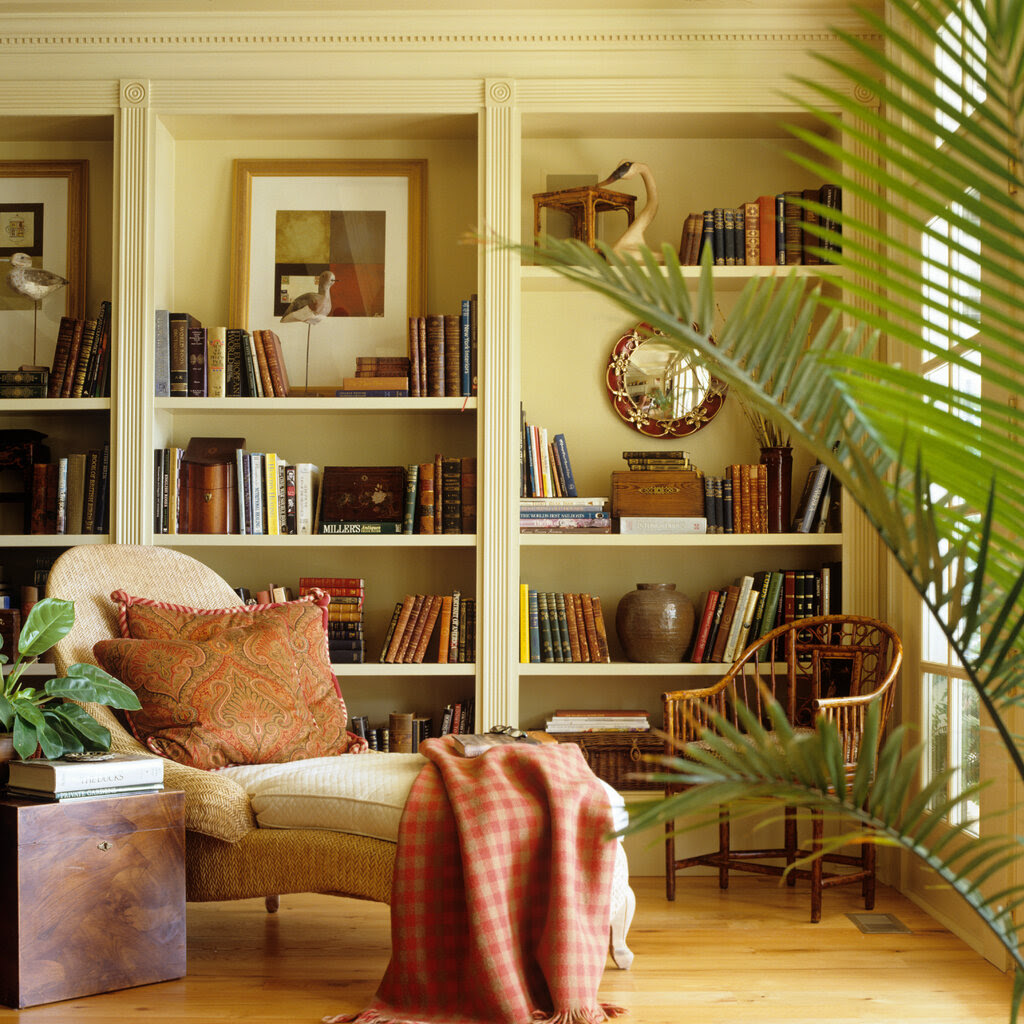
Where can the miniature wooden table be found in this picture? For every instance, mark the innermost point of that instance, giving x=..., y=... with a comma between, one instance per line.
x=92, y=895
x=583, y=204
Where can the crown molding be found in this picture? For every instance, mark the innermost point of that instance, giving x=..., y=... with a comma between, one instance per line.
x=327, y=30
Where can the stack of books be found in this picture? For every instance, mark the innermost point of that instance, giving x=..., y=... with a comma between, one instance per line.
x=344, y=615
x=593, y=720
x=378, y=377
x=676, y=459
x=68, y=779
x=555, y=515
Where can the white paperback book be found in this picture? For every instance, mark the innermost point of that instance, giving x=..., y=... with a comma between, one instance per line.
x=65, y=775
x=663, y=524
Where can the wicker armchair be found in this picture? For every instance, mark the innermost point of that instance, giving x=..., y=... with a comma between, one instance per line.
x=833, y=667
x=227, y=856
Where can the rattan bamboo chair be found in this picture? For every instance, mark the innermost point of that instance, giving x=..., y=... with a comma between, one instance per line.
x=833, y=667
x=227, y=856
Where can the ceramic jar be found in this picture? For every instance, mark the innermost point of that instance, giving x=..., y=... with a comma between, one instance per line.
x=654, y=623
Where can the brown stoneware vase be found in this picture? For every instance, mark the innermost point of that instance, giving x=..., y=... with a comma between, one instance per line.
x=654, y=623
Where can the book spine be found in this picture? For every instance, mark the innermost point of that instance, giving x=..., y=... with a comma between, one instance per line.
x=453, y=632
x=196, y=362
x=161, y=354
x=359, y=529
x=465, y=349
x=451, y=495
x=435, y=362
x=602, y=632
x=178, y=372
x=425, y=500
x=547, y=646
x=412, y=473
x=534, y=626
x=524, y=623
x=704, y=628
x=234, y=375
x=68, y=383
x=752, y=233
x=452, y=344
x=563, y=455
x=82, y=363
x=414, y=356
x=216, y=362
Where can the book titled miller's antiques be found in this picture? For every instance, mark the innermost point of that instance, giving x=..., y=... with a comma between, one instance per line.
x=361, y=494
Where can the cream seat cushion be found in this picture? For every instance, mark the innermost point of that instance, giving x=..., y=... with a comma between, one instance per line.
x=363, y=794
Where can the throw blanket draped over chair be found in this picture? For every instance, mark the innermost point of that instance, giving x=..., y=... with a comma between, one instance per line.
x=499, y=910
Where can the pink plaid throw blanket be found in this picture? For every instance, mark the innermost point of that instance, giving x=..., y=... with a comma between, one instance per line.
x=500, y=901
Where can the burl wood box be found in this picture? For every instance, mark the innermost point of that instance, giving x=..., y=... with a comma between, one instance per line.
x=92, y=895
x=657, y=493
x=209, y=501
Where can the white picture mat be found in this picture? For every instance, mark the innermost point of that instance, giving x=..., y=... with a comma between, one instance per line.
x=335, y=341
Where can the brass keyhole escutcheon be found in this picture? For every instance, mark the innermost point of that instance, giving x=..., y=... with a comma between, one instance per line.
x=104, y=846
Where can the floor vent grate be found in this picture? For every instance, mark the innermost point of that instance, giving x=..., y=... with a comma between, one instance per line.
x=878, y=924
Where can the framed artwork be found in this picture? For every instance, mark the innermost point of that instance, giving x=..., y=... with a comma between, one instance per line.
x=43, y=207
x=363, y=221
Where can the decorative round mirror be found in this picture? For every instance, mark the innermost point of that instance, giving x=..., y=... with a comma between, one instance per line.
x=658, y=390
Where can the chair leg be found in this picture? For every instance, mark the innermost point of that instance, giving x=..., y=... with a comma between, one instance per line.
x=621, y=920
x=790, y=842
x=723, y=847
x=670, y=861
x=868, y=855
x=272, y=903
x=817, y=831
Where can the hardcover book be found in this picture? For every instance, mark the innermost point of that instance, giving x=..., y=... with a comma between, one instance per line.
x=361, y=494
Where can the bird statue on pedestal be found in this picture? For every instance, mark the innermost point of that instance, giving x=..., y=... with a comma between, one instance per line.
x=34, y=283
x=633, y=237
x=310, y=308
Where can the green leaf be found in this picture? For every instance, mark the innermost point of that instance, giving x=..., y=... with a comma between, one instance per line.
x=94, y=735
x=49, y=620
x=24, y=736
x=92, y=684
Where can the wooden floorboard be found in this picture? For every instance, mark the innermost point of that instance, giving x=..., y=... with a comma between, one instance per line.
x=748, y=954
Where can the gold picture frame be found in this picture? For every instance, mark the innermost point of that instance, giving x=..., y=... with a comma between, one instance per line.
x=43, y=212
x=365, y=220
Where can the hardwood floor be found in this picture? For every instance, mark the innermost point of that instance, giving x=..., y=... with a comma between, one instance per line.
x=749, y=954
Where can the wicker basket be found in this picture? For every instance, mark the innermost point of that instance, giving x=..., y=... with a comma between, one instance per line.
x=617, y=756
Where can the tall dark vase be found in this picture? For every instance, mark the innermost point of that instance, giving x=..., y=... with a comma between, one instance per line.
x=779, y=464
x=654, y=623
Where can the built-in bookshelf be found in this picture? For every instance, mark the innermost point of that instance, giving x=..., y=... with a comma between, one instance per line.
x=160, y=237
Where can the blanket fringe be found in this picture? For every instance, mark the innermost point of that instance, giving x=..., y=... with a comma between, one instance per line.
x=581, y=1015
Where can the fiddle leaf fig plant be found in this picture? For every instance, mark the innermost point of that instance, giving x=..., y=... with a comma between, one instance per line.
x=46, y=717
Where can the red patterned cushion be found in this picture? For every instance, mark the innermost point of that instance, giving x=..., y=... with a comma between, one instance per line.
x=237, y=663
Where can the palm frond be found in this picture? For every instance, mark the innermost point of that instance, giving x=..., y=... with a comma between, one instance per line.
x=754, y=767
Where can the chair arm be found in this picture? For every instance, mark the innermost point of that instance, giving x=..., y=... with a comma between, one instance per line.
x=214, y=804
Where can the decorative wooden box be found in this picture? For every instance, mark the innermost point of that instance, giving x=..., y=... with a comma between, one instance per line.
x=92, y=895
x=640, y=492
x=617, y=756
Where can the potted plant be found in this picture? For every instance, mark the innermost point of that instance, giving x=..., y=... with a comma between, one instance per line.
x=46, y=717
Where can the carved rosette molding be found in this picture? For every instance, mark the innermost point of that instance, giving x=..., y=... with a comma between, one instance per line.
x=134, y=93
x=498, y=650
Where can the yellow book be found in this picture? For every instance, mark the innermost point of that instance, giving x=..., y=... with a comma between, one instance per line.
x=524, y=623
x=273, y=522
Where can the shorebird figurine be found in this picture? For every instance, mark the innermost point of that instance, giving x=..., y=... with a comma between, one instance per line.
x=310, y=308
x=633, y=237
x=34, y=283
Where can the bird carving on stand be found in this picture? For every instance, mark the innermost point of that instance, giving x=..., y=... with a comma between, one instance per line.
x=310, y=308
x=633, y=237
x=34, y=283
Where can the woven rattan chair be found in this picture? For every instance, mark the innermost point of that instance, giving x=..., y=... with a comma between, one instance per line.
x=833, y=667
x=227, y=856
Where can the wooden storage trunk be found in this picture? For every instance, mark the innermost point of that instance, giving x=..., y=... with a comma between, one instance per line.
x=92, y=895
x=641, y=492
x=617, y=756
